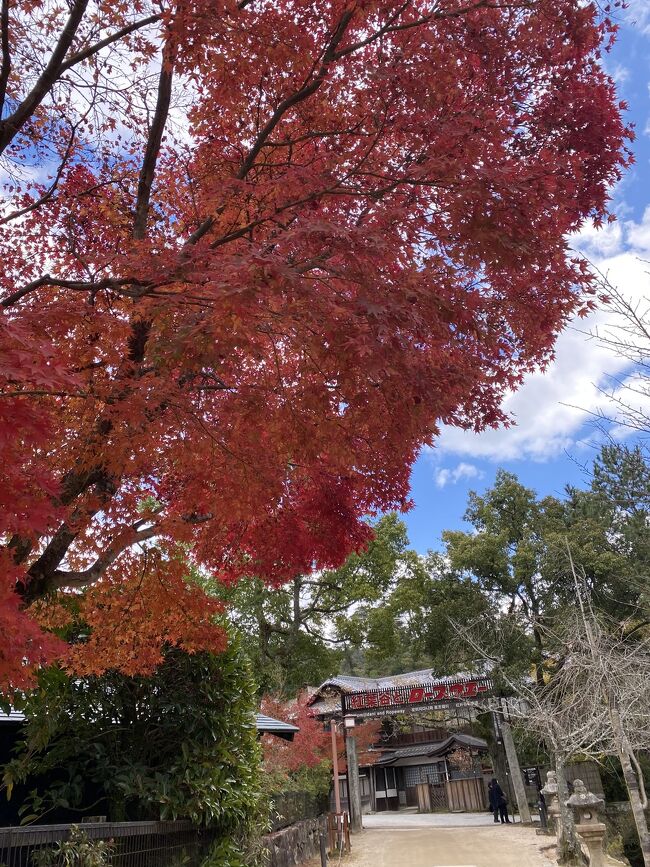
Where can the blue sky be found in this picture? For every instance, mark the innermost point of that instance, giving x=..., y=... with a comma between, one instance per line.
x=554, y=434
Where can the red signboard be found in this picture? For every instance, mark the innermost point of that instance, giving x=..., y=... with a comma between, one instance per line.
x=405, y=697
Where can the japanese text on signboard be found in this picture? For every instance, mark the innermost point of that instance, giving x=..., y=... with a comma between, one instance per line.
x=403, y=696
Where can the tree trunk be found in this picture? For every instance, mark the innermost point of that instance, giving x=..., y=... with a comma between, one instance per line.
x=635, y=794
x=501, y=772
x=569, y=849
x=499, y=760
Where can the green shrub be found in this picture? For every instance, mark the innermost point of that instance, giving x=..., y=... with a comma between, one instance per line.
x=180, y=744
x=622, y=838
x=76, y=851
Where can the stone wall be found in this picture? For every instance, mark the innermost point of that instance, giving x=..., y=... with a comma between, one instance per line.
x=295, y=844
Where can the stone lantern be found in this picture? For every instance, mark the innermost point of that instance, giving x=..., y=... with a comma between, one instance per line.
x=590, y=830
x=550, y=792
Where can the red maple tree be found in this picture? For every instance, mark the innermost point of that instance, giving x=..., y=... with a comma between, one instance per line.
x=312, y=744
x=254, y=254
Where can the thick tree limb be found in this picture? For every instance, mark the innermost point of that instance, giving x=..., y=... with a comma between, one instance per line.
x=154, y=141
x=44, y=575
x=56, y=66
x=78, y=285
x=11, y=125
x=80, y=56
x=61, y=578
x=5, y=70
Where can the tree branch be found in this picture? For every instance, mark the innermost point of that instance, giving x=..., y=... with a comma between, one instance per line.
x=307, y=90
x=56, y=65
x=79, y=285
x=80, y=56
x=154, y=141
x=6, y=52
x=88, y=576
x=11, y=125
x=47, y=195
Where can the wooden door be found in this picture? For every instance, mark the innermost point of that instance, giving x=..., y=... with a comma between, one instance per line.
x=424, y=798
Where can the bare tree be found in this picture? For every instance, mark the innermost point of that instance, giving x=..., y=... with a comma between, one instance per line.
x=596, y=700
x=554, y=716
x=593, y=700
x=628, y=338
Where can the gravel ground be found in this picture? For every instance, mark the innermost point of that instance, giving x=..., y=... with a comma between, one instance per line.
x=411, y=840
x=509, y=846
x=402, y=821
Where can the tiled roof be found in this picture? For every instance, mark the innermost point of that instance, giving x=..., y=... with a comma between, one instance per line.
x=268, y=725
x=13, y=716
x=432, y=750
x=352, y=684
x=470, y=741
x=330, y=702
x=408, y=752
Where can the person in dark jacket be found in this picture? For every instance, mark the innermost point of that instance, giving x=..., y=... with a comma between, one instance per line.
x=498, y=802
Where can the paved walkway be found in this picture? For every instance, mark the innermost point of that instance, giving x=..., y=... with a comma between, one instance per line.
x=404, y=820
x=408, y=840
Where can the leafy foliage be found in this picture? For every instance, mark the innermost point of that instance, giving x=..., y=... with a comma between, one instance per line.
x=76, y=851
x=301, y=633
x=310, y=745
x=253, y=292
x=413, y=628
x=180, y=743
x=509, y=576
x=518, y=554
x=305, y=764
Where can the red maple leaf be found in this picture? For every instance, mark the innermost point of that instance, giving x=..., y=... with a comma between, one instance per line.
x=251, y=301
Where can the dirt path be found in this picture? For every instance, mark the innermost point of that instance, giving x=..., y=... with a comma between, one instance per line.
x=496, y=846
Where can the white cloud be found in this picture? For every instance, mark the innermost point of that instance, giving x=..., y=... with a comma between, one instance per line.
x=638, y=234
x=597, y=243
x=638, y=14
x=619, y=73
x=552, y=407
x=446, y=476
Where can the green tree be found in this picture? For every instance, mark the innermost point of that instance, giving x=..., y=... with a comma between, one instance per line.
x=413, y=628
x=518, y=550
x=620, y=495
x=504, y=553
x=304, y=631
x=180, y=743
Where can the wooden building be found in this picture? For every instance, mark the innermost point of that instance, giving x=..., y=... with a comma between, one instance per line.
x=422, y=766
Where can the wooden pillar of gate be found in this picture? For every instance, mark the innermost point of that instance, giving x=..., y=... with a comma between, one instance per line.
x=515, y=773
x=335, y=768
x=354, y=785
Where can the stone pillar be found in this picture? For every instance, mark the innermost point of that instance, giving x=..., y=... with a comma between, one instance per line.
x=499, y=761
x=515, y=773
x=354, y=783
